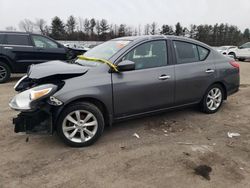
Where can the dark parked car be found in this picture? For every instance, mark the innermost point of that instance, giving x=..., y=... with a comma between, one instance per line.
x=18, y=50
x=121, y=79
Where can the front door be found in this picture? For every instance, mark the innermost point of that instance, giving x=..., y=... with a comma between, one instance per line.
x=19, y=48
x=47, y=49
x=244, y=50
x=150, y=86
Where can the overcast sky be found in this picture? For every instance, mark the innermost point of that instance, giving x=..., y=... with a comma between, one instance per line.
x=130, y=12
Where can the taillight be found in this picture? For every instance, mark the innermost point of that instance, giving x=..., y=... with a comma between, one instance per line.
x=235, y=64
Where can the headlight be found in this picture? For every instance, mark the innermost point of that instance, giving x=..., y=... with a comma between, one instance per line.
x=34, y=95
x=23, y=100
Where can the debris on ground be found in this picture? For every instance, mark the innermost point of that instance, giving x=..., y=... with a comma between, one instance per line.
x=136, y=135
x=202, y=148
x=27, y=139
x=231, y=135
x=185, y=143
x=203, y=170
x=164, y=130
x=230, y=144
x=186, y=153
x=123, y=147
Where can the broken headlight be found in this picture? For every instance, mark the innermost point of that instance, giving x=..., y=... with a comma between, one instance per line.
x=23, y=100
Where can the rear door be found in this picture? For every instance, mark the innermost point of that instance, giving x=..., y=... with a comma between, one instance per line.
x=194, y=72
x=19, y=49
x=47, y=49
x=150, y=86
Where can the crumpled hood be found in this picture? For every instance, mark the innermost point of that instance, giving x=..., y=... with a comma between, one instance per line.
x=57, y=67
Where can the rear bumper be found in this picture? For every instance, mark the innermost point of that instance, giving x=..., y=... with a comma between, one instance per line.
x=39, y=121
x=232, y=91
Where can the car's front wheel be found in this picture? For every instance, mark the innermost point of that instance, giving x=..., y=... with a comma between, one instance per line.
x=213, y=99
x=80, y=124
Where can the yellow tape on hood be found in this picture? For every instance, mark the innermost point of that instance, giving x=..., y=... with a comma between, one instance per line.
x=111, y=65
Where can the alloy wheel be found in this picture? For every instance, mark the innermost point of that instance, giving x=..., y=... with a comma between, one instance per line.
x=3, y=72
x=214, y=99
x=80, y=126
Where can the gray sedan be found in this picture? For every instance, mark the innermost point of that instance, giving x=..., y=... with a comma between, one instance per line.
x=118, y=80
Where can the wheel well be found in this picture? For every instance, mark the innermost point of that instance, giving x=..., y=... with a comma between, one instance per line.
x=100, y=105
x=6, y=62
x=224, y=88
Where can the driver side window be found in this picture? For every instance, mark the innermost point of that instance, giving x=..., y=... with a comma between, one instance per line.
x=43, y=42
x=148, y=55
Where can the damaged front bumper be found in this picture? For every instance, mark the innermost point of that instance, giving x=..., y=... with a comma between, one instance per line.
x=39, y=121
x=36, y=106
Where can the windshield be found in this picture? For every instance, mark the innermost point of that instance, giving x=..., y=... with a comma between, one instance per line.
x=103, y=51
x=106, y=49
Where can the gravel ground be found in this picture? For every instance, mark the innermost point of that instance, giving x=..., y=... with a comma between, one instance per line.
x=170, y=147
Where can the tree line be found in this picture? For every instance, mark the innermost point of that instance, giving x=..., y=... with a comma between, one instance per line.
x=100, y=30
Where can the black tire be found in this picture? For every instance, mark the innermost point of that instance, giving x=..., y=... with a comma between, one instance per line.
x=80, y=106
x=233, y=54
x=204, y=103
x=242, y=59
x=4, y=72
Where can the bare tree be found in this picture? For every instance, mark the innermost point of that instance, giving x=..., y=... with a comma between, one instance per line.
x=146, y=29
x=10, y=28
x=81, y=24
x=26, y=25
x=86, y=26
x=139, y=29
x=153, y=28
x=40, y=25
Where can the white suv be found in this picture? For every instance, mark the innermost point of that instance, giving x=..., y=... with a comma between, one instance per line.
x=242, y=52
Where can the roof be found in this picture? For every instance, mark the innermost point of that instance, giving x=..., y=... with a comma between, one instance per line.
x=172, y=37
x=13, y=32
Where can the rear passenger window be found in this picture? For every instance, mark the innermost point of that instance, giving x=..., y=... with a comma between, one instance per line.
x=203, y=53
x=18, y=40
x=186, y=52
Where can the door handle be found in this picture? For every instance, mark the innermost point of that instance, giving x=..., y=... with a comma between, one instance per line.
x=8, y=47
x=164, y=77
x=210, y=71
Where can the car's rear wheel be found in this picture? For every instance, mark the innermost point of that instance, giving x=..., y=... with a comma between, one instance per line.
x=4, y=72
x=242, y=59
x=80, y=124
x=213, y=99
x=233, y=55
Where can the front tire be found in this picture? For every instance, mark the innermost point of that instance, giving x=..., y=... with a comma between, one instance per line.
x=4, y=72
x=213, y=99
x=80, y=124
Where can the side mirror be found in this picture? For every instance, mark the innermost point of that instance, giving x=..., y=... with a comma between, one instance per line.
x=126, y=66
x=240, y=47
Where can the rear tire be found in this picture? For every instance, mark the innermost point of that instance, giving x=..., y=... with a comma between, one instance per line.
x=233, y=54
x=4, y=72
x=242, y=59
x=212, y=99
x=80, y=124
